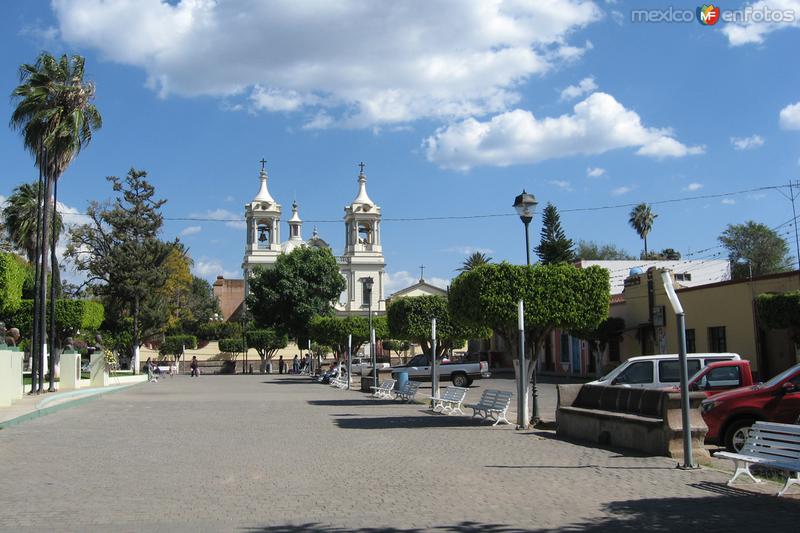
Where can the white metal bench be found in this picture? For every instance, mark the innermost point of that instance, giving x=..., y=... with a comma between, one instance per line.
x=340, y=381
x=493, y=404
x=769, y=445
x=407, y=392
x=385, y=389
x=449, y=402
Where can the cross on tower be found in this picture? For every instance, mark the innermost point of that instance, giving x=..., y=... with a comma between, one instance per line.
x=263, y=163
x=422, y=272
x=362, y=165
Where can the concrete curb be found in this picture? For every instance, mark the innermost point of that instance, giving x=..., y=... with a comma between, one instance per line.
x=43, y=408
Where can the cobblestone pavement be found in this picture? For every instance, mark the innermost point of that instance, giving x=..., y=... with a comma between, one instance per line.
x=277, y=453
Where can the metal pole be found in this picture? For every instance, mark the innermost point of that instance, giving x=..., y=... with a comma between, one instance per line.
x=527, y=243
x=349, y=358
x=372, y=344
x=434, y=370
x=688, y=461
x=535, y=390
x=794, y=217
x=310, y=359
x=522, y=403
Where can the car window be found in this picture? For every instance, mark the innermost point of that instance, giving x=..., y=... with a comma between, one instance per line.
x=641, y=372
x=420, y=360
x=726, y=376
x=670, y=371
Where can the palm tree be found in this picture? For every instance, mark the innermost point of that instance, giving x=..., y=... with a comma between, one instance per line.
x=641, y=219
x=55, y=115
x=474, y=261
x=19, y=217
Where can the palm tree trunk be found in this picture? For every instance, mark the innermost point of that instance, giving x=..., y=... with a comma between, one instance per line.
x=37, y=260
x=645, y=247
x=43, y=280
x=53, y=289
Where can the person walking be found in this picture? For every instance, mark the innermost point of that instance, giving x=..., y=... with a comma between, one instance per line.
x=295, y=365
x=280, y=365
x=193, y=366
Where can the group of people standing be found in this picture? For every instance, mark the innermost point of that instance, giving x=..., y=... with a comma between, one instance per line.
x=298, y=365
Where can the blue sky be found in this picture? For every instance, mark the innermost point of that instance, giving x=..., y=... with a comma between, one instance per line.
x=455, y=107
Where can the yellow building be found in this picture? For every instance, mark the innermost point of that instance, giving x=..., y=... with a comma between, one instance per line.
x=720, y=317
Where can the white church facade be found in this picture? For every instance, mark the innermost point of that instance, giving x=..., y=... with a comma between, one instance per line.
x=361, y=261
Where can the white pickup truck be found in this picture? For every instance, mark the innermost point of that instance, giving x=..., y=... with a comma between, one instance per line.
x=460, y=373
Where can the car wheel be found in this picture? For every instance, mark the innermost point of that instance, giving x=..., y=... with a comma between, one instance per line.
x=736, y=434
x=460, y=380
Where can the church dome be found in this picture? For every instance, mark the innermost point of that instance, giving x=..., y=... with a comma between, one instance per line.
x=362, y=197
x=263, y=192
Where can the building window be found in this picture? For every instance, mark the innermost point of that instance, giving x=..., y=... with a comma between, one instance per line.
x=565, y=345
x=716, y=340
x=691, y=343
x=365, y=294
x=683, y=277
x=613, y=350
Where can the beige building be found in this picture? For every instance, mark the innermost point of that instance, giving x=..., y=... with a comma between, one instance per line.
x=720, y=317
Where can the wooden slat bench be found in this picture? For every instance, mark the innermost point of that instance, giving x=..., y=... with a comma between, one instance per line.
x=493, y=404
x=385, y=389
x=449, y=402
x=769, y=445
x=407, y=392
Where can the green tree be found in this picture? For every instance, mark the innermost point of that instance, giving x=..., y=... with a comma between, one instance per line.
x=299, y=286
x=333, y=331
x=266, y=342
x=13, y=272
x=19, y=215
x=71, y=316
x=555, y=296
x=609, y=330
x=667, y=254
x=122, y=256
x=410, y=319
x=780, y=311
x=399, y=347
x=754, y=245
x=641, y=219
x=554, y=246
x=55, y=115
x=475, y=260
x=175, y=345
x=592, y=251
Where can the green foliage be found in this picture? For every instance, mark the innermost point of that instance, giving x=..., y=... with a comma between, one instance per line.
x=232, y=345
x=212, y=331
x=174, y=344
x=19, y=215
x=756, y=246
x=71, y=316
x=333, y=331
x=266, y=342
x=301, y=285
x=592, y=251
x=555, y=296
x=610, y=329
x=641, y=219
x=410, y=319
x=554, y=246
x=475, y=260
x=13, y=273
x=780, y=311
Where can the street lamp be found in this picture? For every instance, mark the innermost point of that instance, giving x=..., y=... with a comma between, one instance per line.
x=525, y=204
x=368, y=283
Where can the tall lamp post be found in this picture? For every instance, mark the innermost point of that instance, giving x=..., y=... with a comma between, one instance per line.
x=368, y=283
x=525, y=204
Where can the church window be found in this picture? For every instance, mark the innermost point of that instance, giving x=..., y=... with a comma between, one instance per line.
x=263, y=236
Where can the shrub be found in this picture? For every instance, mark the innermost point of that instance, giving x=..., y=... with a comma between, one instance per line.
x=174, y=344
x=13, y=272
x=71, y=316
x=233, y=345
x=213, y=331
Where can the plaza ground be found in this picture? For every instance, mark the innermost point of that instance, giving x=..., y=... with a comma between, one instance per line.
x=278, y=453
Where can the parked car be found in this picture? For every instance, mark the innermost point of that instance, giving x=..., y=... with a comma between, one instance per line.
x=461, y=373
x=730, y=414
x=719, y=377
x=659, y=371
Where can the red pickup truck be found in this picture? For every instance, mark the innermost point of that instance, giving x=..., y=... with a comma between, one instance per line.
x=730, y=414
x=722, y=376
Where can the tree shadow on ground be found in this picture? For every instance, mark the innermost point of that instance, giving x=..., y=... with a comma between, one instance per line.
x=285, y=381
x=623, y=452
x=365, y=402
x=597, y=467
x=393, y=422
x=728, y=510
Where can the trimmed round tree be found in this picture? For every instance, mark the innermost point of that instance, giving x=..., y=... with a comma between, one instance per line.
x=266, y=342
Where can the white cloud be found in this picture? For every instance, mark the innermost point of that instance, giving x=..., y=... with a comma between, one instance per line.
x=362, y=62
x=232, y=220
x=395, y=281
x=468, y=250
x=191, y=230
x=598, y=124
x=210, y=268
x=585, y=86
x=783, y=14
x=728, y=201
x=625, y=189
x=561, y=184
x=595, y=172
x=790, y=117
x=693, y=187
x=747, y=143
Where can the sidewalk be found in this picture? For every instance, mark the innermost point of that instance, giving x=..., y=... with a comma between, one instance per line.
x=33, y=406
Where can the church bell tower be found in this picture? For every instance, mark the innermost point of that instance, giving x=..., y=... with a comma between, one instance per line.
x=263, y=216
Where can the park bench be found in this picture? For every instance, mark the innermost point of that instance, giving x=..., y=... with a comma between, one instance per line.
x=769, y=445
x=449, y=401
x=493, y=404
x=385, y=389
x=340, y=381
x=407, y=392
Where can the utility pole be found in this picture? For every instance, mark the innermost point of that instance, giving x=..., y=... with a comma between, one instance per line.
x=792, y=196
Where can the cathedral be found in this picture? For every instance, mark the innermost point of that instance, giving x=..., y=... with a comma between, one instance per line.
x=361, y=261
